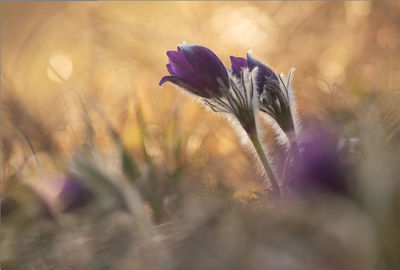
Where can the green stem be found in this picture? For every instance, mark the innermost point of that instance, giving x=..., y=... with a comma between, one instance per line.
x=260, y=152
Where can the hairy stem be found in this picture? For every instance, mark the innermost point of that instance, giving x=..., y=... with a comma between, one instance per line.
x=293, y=144
x=261, y=154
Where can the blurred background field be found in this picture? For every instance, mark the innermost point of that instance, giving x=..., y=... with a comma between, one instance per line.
x=80, y=99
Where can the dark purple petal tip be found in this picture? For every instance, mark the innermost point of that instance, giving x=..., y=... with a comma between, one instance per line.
x=237, y=64
x=165, y=79
x=178, y=82
x=264, y=70
x=264, y=73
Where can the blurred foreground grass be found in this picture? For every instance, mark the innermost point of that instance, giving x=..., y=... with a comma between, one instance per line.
x=102, y=169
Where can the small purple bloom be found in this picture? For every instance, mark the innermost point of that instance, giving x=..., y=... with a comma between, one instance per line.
x=196, y=69
x=274, y=100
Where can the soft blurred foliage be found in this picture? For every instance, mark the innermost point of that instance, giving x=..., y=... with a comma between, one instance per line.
x=103, y=169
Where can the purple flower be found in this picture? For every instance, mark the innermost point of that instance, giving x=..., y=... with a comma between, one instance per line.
x=274, y=98
x=198, y=70
x=319, y=167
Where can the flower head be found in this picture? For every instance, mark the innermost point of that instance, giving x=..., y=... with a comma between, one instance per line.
x=237, y=100
x=273, y=98
x=196, y=69
x=276, y=100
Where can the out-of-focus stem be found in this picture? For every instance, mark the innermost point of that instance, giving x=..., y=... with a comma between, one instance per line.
x=260, y=152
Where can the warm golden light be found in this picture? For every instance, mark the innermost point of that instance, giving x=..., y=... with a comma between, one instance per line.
x=59, y=68
x=123, y=149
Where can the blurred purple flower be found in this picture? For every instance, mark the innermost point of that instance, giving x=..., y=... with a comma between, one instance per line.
x=319, y=167
x=198, y=70
x=73, y=194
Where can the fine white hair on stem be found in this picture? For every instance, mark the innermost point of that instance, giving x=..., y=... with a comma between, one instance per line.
x=245, y=141
x=244, y=138
x=280, y=136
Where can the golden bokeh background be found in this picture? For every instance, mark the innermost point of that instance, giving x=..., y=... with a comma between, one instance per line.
x=103, y=169
x=67, y=64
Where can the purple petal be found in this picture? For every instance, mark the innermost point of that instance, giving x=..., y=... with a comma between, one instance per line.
x=180, y=67
x=179, y=82
x=205, y=62
x=264, y=73
x=237, y=64
x=178, y=64
x=165, y=79
x=169, y=68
